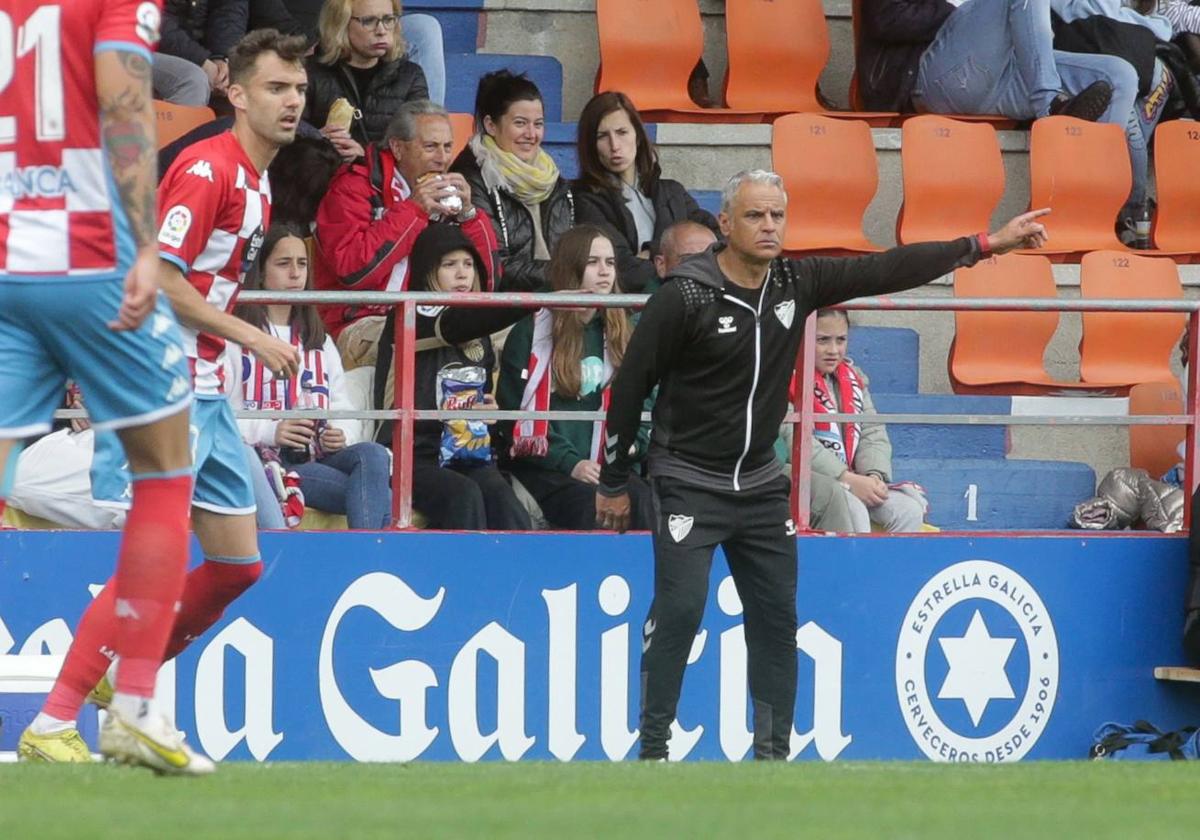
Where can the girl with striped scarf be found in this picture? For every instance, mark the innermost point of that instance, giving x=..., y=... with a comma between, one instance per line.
x=338, y=474
x=565, y=360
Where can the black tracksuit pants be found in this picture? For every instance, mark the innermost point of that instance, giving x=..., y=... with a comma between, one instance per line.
x=754, y=528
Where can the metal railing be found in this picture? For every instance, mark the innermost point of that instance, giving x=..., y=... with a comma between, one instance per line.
x=406, y=413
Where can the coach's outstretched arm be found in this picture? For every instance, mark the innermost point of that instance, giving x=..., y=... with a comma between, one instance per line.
x=837, y=279
x=127, y=125
x=652, y=350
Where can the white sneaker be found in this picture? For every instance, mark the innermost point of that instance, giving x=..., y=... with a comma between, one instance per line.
x=154, y=743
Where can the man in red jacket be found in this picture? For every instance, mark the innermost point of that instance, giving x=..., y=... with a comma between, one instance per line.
x=372, y=214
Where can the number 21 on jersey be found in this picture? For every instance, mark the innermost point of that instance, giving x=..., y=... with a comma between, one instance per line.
x=39, y=34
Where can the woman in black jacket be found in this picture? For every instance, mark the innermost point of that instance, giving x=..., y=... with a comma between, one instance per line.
x=360, y=59
x=621, y=188
x=456, y=485
x=513, y=180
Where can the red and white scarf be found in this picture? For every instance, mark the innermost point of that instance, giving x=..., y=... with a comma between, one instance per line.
x=531, y=437
x=263, y=391
x=843, y=441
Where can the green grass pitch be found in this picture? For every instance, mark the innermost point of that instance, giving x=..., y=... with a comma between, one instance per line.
x=1060, y=800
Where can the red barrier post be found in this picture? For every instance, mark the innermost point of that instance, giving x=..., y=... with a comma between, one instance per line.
x=402, y=428
x=802, y=431
x=1192, y=406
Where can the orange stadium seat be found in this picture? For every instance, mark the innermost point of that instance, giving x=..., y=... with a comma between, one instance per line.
x=1155, y=448
x=777, y=50
x=1129, y=347
x=1176, y=162
x=648, y=49
x=829, y=168
x=953, y=178
x=174, y=121
x=462, y=126
x=1004, y=352
x=1080, y=170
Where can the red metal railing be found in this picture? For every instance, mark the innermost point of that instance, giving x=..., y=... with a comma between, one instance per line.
x=406, y=412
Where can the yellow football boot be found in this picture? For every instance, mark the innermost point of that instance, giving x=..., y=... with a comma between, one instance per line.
x=62, y=747
x=154, y=743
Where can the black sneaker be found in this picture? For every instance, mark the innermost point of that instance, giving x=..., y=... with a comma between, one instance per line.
x=1089, y=104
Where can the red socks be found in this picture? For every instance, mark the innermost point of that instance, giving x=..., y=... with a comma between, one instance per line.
x=211, y=587
x=149, y=578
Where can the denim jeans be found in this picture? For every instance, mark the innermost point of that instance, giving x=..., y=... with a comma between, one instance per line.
x=353, y=481
x=423, y=34
x=178, y=81
x=997, y=57
x=268, y=514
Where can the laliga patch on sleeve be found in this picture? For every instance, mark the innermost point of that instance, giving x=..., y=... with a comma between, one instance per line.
x=148, y=20
x=175, y=226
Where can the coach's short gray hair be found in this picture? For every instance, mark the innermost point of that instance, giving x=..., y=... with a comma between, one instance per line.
x=404, y=124
x=752, y=176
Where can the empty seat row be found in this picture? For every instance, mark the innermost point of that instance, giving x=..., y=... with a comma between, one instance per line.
x=953, y=179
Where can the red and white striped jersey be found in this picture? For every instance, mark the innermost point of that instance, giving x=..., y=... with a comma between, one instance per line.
x=59, y=214
x=213, y=208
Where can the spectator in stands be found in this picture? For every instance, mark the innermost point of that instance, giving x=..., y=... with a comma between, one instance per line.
x=338, y=475
x=564, y=360
x=373, y=212
x=994, y=57
x=197, y=35
x=621, y=189
x=678, y=241
x=858, y=455
x=300, y=176
x=456, y=484
x=359, y=77
x=513, y=180
x=422, y=34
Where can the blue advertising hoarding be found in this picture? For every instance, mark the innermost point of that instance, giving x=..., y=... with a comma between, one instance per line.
x=393, y=647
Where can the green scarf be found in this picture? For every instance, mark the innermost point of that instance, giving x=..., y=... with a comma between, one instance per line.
x=530, y=183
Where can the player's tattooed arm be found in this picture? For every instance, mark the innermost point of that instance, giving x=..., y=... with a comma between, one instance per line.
x=130, y=138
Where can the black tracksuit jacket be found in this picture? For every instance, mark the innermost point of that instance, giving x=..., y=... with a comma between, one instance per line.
x=724, y=366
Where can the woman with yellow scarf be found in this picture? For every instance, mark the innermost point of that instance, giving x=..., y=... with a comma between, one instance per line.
x=513, y=180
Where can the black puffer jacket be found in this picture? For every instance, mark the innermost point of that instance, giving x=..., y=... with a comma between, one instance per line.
x=514, y=223
x=395, y=83
x=198, y=29
x=607, y=208
x=446, y=336
x=894, y=34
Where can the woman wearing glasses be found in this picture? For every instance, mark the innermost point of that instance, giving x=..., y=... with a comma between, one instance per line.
x=361, y=59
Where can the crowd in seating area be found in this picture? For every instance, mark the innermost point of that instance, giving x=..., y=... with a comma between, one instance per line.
x=385, y=190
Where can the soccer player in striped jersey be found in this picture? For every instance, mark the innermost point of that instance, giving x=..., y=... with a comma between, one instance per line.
x=215, y=205
x=79, y=298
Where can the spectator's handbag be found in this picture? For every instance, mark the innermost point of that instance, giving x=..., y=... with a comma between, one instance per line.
x=461, y=387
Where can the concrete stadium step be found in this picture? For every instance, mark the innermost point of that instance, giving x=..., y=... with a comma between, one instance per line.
x=948, y=441
x=889, y=355
x=463, y=71
x=460, y=20
x=984, y=494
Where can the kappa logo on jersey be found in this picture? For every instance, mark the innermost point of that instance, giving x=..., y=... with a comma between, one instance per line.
x=149, y=21
x=201, y=169
x=786, y=313
x=680, y=526
x=726, y=325
x=175, y=226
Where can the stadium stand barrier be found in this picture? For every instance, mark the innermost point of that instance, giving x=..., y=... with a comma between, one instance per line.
x=405, y=349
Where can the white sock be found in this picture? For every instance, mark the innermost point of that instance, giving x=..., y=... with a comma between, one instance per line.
x=133, y=707
x=44, y=724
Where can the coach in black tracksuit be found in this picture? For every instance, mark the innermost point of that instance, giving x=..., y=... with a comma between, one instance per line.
x=720, y=341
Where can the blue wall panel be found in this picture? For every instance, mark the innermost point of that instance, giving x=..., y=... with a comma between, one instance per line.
x=443, y=646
